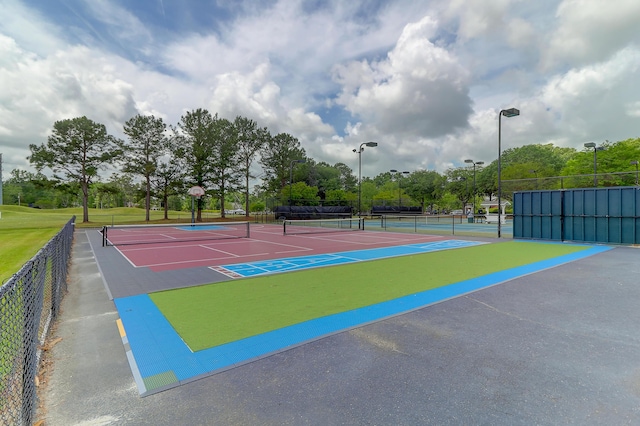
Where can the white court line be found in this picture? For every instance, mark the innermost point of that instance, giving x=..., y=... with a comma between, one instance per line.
x=200, y=260
x=123, y=255
x=294, y=249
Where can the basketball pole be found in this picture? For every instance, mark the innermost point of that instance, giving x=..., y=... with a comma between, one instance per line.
x=194, y=191
x=193, y=218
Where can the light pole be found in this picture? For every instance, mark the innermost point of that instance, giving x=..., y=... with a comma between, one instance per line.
x=635, y=162
x=359, y=151
x=475, y=163
x=511, y=112
x=399, y=187
x=291, y=179
x=595, y=160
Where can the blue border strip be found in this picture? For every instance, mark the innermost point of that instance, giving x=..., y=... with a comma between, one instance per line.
x=159, y=351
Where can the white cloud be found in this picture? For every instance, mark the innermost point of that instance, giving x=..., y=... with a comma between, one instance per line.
x=419, y=89
x=36, y=92
x=423, y=78
x=478, y=17
x=590, y=100
x=28, y=28
x=591, y=30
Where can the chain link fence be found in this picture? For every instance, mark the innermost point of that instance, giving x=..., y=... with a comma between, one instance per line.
x=614, y=179
x=29, y=303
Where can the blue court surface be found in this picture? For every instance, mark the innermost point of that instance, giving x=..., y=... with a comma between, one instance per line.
x=241, y=270
x=160, y=360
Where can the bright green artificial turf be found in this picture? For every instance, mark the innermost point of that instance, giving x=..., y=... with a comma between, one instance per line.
x=213, y=314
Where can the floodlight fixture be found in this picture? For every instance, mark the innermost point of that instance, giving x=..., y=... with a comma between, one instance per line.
x=511, y=112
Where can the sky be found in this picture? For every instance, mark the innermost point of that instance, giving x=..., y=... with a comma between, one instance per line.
x=425, y=79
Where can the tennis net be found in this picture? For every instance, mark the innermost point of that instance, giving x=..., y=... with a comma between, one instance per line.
x=316, y=226
x=120, y=235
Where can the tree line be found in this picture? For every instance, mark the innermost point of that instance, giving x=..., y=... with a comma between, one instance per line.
x=160, y=162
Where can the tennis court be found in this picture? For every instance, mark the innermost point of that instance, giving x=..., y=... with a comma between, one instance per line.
x=164, y=343
x=163, y=248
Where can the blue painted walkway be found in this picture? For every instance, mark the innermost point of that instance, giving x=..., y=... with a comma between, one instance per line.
x=160, y=359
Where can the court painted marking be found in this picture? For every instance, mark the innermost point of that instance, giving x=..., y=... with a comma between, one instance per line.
x=252, y=269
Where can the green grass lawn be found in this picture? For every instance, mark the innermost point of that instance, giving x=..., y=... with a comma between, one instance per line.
x=214, y=314
x=24, y=230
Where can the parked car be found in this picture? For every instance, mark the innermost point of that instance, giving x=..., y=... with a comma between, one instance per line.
x=456, y=212
x=235, y=211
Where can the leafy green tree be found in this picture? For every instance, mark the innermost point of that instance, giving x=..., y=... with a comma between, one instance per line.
x=250, y=140
x=301, y=194
x=534, y=162
x=167, y=181
x=277, y=158
x=126, y=194
x=449, y=201
x=332, y=177
x=348, y=181
x=225, y=160
x=147, y=144
x=369, y=191
x=341, y=197
x=460, y=184
x=79, y=148
x=325, y=176
x=68, y=194
x=425, y=186
x=26, y=188
x=104, y=194
x=383, y=178
x=613, y=164
x=194, y=148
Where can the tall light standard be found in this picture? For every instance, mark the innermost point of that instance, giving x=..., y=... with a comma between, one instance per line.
x=359, y=151
x=475, y=163
x=635, y=162
x=511, y=112
x=399, y=175
x=595, y=160
x=291, y=179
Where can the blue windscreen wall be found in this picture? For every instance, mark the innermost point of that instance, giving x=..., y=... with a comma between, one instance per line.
x=599, y=215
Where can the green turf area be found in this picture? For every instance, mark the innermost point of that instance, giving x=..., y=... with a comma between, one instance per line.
x=213, y=314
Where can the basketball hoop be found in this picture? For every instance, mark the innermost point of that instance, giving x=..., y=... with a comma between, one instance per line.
x=196, y=191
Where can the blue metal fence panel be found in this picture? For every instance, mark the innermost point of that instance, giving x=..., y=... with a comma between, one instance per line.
x=598, y=215
x=537, y=215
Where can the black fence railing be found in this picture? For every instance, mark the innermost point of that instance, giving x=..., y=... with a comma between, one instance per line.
x=29, y=303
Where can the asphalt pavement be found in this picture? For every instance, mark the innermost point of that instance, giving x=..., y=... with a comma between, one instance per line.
x=560, y=346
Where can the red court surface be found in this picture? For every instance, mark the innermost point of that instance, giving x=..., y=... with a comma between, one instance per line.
x=266, y=242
